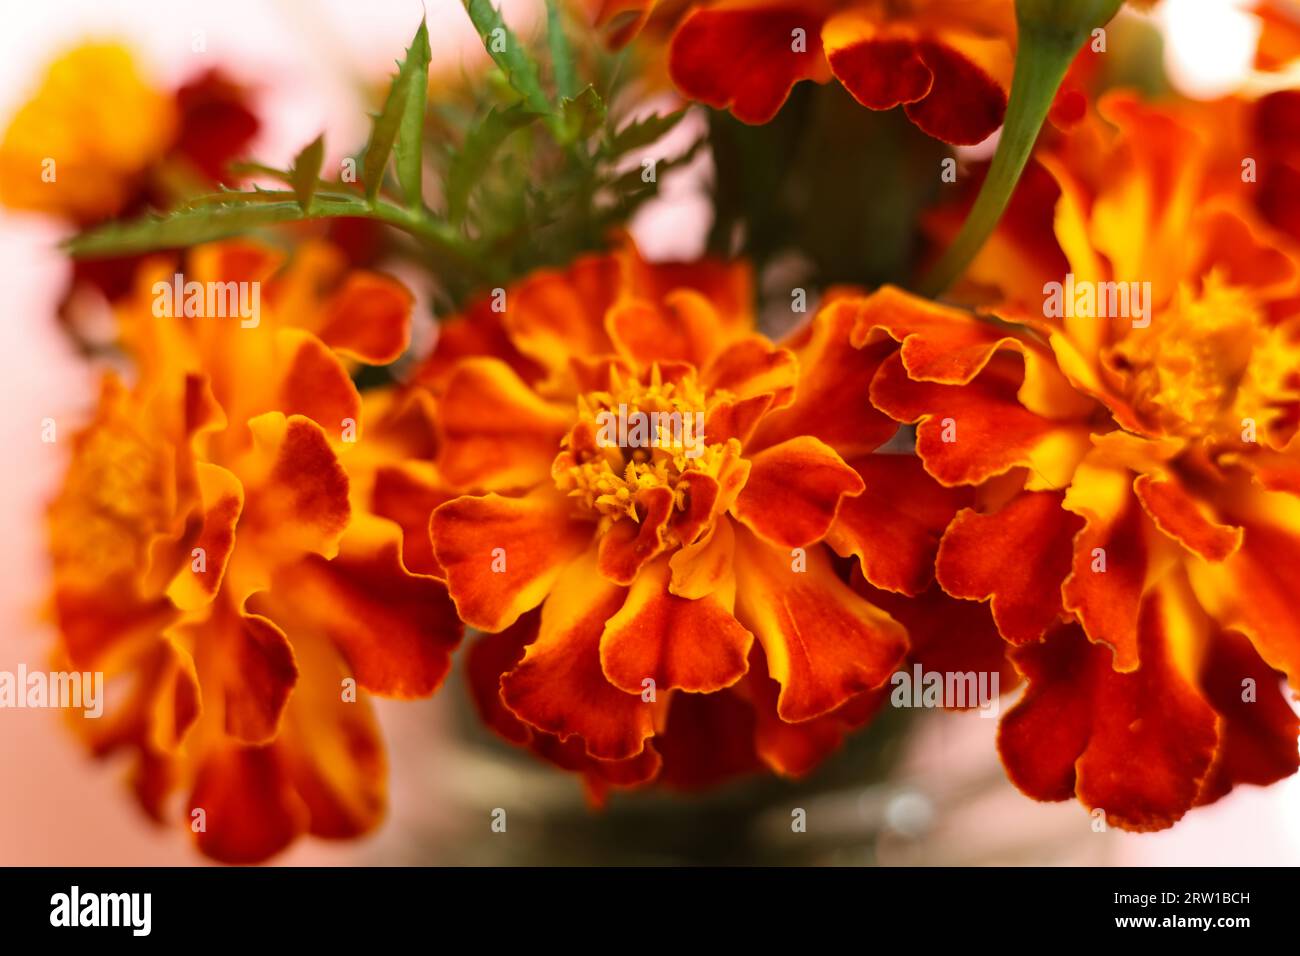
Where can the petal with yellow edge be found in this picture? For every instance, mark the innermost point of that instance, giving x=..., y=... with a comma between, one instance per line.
x=559, y=686
x=794, y=492
x=503, y=555
x=824, y=643
x=495, y=433
x=695, y=645
x=1016, y=558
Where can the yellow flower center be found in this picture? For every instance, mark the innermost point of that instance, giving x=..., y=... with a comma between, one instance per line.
x=1213, y=370
x=633, y=437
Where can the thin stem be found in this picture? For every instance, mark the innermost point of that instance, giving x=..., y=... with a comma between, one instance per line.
x=1046, y=48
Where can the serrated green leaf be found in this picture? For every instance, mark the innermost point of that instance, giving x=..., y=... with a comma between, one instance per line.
x=581, y=116
x=205, y=223
x=508, y=54
x=409, y=148
x=566, y=79
x=305, y=172
x=471, y=161
x=642, y=132
x=391, y=120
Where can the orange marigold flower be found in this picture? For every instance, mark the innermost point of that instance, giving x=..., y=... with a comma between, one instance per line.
x=210, y=543
x=78, y=148
x=95, y=137
x=947, y=63
x=1133, y=437
x=663, y=606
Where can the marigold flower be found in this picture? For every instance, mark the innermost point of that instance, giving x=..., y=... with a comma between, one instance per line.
x=209, y=542
x=1137, y=526
x=657, y=609
x=79, y=146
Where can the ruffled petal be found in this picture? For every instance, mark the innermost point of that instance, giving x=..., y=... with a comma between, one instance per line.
x=1082, y=728
x=494, y=432
x=684, y=328
x=1016, y=557
x=970, y=433
x=742, y=55
x=824, y=644
x=1108, y=577
x=396, y=630
x=369, y=318
x=502, y=555
x=250, y=809
x=1180, y=516
x=1257, y=729
x=332, y=749
x=559, y=686
x=404, y=493
x=553, y=316
x=795, y=749
x=295, y=498
x=794, y=492
x=894, y=527
x=946, y=93
x=223, y=502
x=253, y=663
x=629, y=544
x=694, y=645
x=832, y=400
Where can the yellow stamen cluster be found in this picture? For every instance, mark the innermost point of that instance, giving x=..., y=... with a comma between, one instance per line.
x=606, y=480
x=1213, y=367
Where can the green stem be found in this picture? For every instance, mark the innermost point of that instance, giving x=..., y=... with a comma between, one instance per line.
x=439, y=235
x=1050, y=34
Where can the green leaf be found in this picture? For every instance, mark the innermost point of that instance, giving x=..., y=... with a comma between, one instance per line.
x=410, y=134
x=581, y=116
x=412, y=71
x=305, y=171
x=508, y=54
x=642, y=132
x=566, y=80
x=470, y=163
x=198, y=223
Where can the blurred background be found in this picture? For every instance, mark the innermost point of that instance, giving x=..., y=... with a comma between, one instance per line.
x=912, y=789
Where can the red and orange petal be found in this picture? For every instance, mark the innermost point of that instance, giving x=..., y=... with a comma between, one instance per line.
x=395, y=629
x=824, y=644
x=495, y=433
x=832, y=400
x=745, y=56
x=326, y=773
x=895, y=526
x=951, y=84
x=560, y=686
x=488, y=660
x=1015, y=558
x=695, y=645
x=795, y=491
x=503, y=555
x=1082, y=728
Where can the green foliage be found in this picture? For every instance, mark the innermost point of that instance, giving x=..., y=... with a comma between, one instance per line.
x=401, y=119
x=305, y=171
x=530, y=167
